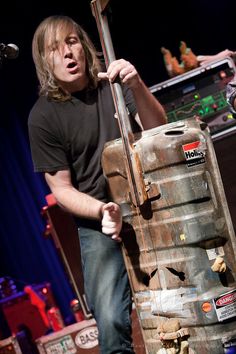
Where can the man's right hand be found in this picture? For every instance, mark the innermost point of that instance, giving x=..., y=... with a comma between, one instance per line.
x=112, y=221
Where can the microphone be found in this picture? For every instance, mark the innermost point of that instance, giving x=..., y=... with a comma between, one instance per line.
x=9, y=51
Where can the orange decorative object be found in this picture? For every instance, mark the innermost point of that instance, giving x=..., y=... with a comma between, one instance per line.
x=188, y=60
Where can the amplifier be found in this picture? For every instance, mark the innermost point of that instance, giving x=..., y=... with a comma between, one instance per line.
x=62, y=228
x=200, y=92
x=20, y=312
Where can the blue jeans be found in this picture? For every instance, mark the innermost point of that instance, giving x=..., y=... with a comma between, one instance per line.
x=107, y=290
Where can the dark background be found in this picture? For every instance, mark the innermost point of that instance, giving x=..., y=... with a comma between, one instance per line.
x=138, y=30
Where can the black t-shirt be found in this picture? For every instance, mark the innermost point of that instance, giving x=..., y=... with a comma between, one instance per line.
x=71, y=135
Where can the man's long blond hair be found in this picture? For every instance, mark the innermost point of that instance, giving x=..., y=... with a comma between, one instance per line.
x=45, y=32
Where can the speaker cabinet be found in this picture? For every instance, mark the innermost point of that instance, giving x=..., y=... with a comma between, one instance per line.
x=21, y=314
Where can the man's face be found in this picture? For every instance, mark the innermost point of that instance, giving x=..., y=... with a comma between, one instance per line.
x=66, y=58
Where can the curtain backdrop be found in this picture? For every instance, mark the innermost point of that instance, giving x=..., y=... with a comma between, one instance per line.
x=25, y=254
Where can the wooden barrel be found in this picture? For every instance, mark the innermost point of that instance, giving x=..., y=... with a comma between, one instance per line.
x=179, y=247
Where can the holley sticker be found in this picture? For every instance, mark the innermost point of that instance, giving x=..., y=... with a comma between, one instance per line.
x=193, y=153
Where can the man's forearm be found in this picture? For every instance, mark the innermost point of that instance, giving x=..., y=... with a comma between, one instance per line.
x=79, y=204
x=150, y=111
x=85, y=206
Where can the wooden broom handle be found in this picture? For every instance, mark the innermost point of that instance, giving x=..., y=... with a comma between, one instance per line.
x=132, y=160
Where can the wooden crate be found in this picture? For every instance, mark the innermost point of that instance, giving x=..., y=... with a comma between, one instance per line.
x=78, y=338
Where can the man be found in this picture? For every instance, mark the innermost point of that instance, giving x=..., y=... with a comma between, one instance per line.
x=68, y=127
